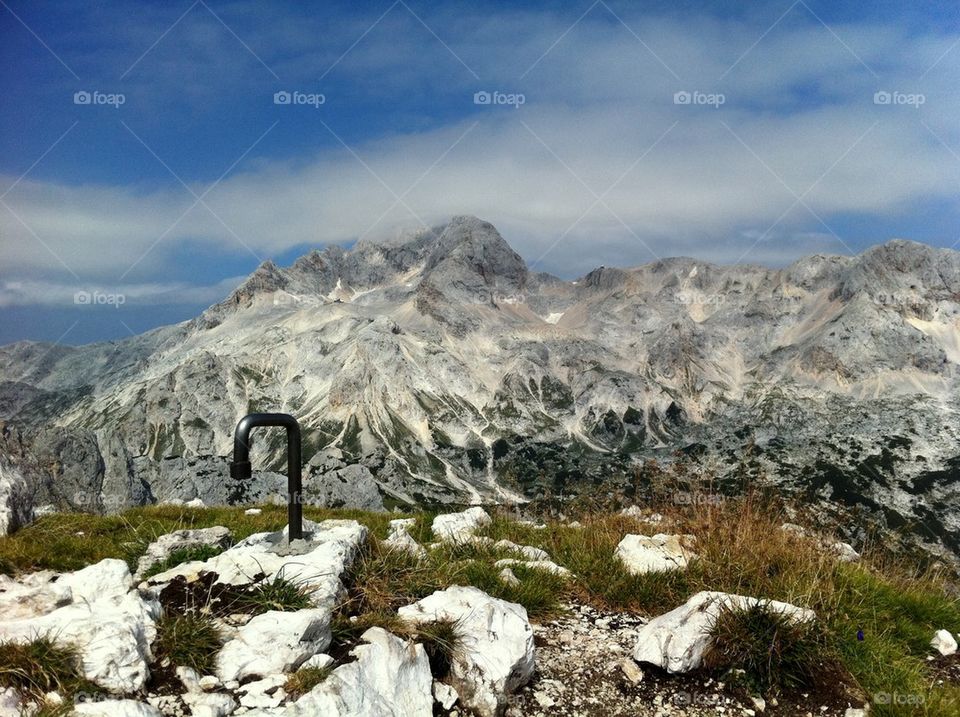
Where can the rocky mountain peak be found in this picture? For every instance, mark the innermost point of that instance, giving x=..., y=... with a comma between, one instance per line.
x=470, y=256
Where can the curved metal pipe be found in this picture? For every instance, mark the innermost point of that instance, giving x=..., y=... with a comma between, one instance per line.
x=241, y=470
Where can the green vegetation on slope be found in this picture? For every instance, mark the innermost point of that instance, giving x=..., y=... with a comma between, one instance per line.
x=741, y=550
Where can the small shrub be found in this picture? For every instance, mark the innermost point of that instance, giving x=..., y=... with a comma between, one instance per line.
x=41, y=666
x=190, y=639
x=775, y=651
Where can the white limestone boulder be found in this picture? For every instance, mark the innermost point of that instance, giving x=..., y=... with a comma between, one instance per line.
x=496, y=652
x=677, y=640
x=844, y=552
x=527, y=552
x=274, y=642
x=944, y=643
x=10, y=703
x=655, y=553
x=116, y=708
x=111, y=626
x=16, y=499
x=400, y=538
x=445, y=695
x=32, y=595
x=459, y=527
x=317, y=562
x=546, y=565
x=209, y=704
x=389, y=678
x=164, y=546
x=108, y=578
x=266, y=693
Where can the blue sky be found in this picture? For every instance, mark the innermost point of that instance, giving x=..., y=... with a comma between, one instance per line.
x=172, y=196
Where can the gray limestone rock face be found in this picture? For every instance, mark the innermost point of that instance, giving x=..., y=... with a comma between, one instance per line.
x=435, y=367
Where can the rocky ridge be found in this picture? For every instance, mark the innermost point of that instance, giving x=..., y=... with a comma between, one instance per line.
x=437, y=367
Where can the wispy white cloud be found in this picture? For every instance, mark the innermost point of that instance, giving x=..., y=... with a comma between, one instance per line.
x=28, y=292
x=799, y=120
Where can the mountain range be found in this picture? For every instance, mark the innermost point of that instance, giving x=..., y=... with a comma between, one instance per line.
x=437, y=367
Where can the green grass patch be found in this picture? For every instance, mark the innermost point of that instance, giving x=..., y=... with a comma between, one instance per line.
x=70, y=541
x=189, y=639
x=740, y=546
x=305, y=679
x=41, y=666
x=775, y=651
x=277, y=594
x=442, y=641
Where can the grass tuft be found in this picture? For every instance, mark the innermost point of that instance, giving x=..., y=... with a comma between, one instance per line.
x=776, y=652
x=190, y=639
x=277, y=594
x=442, y=641
x=305, y=679
x=41, y=666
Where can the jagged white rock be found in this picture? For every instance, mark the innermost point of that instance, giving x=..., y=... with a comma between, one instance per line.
x=16, y=499
x=547, y=565
x=944, y=643
x=459, y=527
x=400, y=538
x=316, y=562
x=677, y=640
x=496, y=655
x=32, y=595
x=645, y=554
x=209, y=704
x=389, y=678
x=444, y=694
x=111, y=627
x=116, y=708
x=527, y=551
x=189, y=678
x=108, y=578
x=508, y=576
x=209, y=683
x=318, y=661
x=161, y=548
x=10, y=703
x=274, y=642
x=265, y=693
x=845, y=552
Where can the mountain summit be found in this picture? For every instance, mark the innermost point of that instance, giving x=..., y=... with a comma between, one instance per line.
x=435, y=367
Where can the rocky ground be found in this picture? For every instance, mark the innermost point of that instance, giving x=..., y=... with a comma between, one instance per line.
x=267, y=627
x=584, y=667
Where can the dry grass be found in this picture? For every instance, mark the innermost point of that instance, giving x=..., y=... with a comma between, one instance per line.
x=741, y=550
